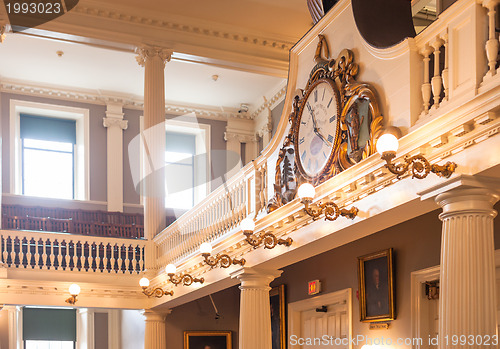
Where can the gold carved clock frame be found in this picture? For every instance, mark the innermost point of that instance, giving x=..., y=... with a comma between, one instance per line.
x=359, y=125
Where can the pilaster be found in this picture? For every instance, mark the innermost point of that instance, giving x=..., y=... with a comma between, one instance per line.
x=115, y=125
x=155, y=336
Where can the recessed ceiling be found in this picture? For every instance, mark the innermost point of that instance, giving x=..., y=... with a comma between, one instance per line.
x=82, y=67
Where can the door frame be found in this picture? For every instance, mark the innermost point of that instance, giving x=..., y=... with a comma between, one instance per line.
x=295, y=308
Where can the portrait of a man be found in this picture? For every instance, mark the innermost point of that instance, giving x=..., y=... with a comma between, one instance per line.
x=376, y=286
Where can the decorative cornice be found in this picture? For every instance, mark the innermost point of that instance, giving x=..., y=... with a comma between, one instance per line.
x=128, y=102
x=147, y=52
x=189, y=28
x=115, y=122
x=268, y=103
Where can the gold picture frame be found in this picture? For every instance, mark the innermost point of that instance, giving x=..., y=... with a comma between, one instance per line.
x=211, y=339
x=376, y=286
x=278, y=317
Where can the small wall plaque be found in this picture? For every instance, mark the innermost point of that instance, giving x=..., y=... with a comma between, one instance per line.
x=379, y=325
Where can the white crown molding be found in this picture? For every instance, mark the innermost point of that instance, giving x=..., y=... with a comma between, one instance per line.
x=129, y=102
x=270, y=102
x=192, y=26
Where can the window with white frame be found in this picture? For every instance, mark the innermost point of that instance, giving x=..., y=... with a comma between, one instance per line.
x=186, y=163
x=49, y=328
x=49, y=150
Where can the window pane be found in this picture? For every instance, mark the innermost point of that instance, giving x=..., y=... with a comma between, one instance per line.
x=179, y=186
x=49, y=345
x=48, y=145
x=48, y=174
x=181, y=158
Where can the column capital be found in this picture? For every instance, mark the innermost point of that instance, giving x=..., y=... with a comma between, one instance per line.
x=467, y=201
x=255, y=278
x=155, y=316
x=461, y=182
x=115, y=122
x=240, y=137
x=147, y=52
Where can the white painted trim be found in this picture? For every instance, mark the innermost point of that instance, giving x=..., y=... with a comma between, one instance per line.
x=15, y=326
x=295, y=309
x=82, y=163
x=417, y=279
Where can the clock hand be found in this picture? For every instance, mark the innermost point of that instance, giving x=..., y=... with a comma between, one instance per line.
x=316, y=129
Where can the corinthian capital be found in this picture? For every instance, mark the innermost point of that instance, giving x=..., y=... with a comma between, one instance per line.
x=146, y=52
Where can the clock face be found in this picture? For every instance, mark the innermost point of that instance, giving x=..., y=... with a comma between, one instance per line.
x=318, y=128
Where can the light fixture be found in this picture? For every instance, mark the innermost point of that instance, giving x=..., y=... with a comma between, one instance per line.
x=224, y=259
x=306, y=194
x=270, y=240
x=156, y=292
x=74, y=291
x=186, y=279
x=387, y=145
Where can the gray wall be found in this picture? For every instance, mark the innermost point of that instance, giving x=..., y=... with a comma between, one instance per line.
x=199, y=315
x=100, y=330
x=130, y=194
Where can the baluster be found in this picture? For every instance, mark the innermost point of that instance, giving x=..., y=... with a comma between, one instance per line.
x=436, y=79
x=127, y=258
x=59, y=255
x=98, y=257
x=112, y=266
x=134, y=259
x=44, y=254
x=3, y=242
x=21, y=252
x=28, y=253
x=445, y=73
x=37, y=253
x=12, y=251
x=120, y=260
x=141, y=260
x=51, y=256
x=66, y=255
x=75, y=254
x=82, y=255
x=492, y=43
x=105, y=258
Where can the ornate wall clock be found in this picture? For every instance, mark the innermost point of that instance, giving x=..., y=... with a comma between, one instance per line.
x=317, y=135
x=334, y=123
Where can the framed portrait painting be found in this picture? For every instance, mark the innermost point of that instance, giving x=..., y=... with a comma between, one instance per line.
x=207, y=340
x=278, y=317
x=376, y=286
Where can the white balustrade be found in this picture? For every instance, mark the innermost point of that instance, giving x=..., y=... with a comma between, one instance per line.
x=448, y=41
x=53, y=251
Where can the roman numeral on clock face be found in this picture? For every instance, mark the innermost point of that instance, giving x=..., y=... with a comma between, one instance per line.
x=315, y=96
x=332, y=119
x=302, y=140
x=330, y=138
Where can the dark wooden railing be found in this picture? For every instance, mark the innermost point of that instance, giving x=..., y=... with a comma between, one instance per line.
x=74, y=221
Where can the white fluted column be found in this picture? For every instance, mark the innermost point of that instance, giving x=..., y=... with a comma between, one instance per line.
x=255, y=309
x=155, y=336
x=154, y=59
x=467, y=305
x=115, y=125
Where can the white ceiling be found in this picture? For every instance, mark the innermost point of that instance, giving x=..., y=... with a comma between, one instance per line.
x=34, y=60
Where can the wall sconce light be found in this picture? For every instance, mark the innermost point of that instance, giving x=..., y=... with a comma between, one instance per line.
x=74, y=291
x=388, y=144
x=270, y=240
x=157, y=292
x=186, y=279
x=306, y=194
x=224, y=259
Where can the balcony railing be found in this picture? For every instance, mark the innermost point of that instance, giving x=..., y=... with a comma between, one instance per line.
x=53, y=251
x=83, y=222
